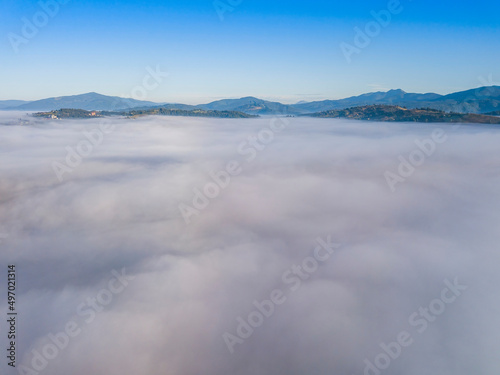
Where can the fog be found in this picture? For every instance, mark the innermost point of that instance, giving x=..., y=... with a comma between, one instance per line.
x=389, y=246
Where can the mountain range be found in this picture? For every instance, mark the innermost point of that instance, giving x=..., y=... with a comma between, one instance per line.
x=481, y=100
x=384, y=112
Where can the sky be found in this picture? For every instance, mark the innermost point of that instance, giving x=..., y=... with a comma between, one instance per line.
x=185, y=286
x=284, y=50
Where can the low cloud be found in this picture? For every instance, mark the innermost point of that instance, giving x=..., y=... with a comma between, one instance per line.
x=118, y=209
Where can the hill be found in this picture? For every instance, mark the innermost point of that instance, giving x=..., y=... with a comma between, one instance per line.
x=68, y=113
x=480, y=100
x=83, y=114
x=400, y=114
x=494, y=113
x=191, y=113
x=90, y=101
x=392, y=97
x=250, y=105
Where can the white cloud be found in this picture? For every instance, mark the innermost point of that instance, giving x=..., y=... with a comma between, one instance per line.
x=119, y=208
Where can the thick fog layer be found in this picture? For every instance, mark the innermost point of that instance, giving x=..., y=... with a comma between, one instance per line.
x=289, y=246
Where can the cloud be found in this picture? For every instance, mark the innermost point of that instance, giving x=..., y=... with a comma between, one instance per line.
x=317, y=178
x=378, y=87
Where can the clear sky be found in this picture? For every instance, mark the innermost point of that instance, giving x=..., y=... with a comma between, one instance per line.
x=280, y=50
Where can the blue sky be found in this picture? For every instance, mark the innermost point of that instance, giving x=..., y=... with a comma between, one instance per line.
x=284, y=50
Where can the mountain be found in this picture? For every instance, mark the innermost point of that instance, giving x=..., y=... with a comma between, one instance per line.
x=392, y=97
x=494, y=113
x=481, y=100
x=399, y=114
x=11, y=103
x=250, y=105
x=90, y=101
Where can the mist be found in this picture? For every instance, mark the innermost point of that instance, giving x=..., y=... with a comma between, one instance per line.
x=183, y=246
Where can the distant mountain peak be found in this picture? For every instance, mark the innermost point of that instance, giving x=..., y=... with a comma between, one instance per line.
x=396, y=91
